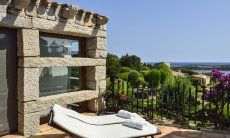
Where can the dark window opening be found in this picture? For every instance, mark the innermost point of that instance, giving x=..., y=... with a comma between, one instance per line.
x=57, y=80
x=59, y=46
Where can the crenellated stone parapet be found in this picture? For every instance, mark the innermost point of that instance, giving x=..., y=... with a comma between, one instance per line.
x=69, y=11
x=20, y=4
x=53, y=11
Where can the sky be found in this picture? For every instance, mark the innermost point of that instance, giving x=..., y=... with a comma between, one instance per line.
x=166, y=30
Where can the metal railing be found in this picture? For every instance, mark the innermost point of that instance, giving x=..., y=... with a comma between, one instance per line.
x=188, y=107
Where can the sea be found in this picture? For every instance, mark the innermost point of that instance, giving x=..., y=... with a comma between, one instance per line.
x=203, y=67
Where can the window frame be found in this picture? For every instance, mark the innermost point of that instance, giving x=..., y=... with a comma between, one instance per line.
x=82, y=54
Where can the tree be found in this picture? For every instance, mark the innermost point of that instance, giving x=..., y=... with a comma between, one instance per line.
x=125, y=69
x=166, y=72
x=144, y=67
x=153, y=78
x=113, y=66
x=124, y=76
x=133, y=78
x=144, y=72
x=189, y=72
x=132, y=61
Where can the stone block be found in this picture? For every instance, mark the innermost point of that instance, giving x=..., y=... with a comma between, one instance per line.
x=31, y=10
x=28, y=84
x=3, y=8
x=12, y=20
x=42, y=11
x=99, y=86
x=96, y=54
x=96, y=105
x=20, y=4
x=95, y=73
x=4, y=2
x=96, y=43
x=69, y=12
x=28, y=43
x=28, y=124
x=52, y=11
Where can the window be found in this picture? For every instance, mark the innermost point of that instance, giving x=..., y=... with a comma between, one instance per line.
x=56, y=80
x=57, y=46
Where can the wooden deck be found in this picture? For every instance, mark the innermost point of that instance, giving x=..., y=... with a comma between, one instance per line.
x=46, y=131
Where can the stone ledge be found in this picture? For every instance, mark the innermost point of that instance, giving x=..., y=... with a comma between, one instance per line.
x=49, y=26
x=68, y=28
x=47, y=102
x=33, y=62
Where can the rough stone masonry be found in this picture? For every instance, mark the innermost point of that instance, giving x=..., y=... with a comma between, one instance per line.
x=32, y=17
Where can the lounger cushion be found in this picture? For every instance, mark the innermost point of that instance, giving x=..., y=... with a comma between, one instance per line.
x=83, y=129
x=80, y=128
x=94, y=120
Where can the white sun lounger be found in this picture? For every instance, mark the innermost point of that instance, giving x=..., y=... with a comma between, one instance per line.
x=82, y=129
x=93, y=120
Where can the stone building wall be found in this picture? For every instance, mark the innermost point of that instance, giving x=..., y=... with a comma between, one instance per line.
x=30, y=18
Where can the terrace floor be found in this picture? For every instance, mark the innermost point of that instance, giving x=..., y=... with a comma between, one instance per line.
x=46, y=131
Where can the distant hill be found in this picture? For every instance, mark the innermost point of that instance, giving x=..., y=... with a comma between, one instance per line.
x=199, y=65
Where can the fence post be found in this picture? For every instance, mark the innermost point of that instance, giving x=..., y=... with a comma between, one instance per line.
x=183, y=106
x=127, y=88
x=122, y=85
x=127, y=95
x=132, y=97
x=222, y=106
x=196, y=104
x=174, y=101
x=228, y=99
x=142, y=99
x=167, y=100
x=113, y=91
x=119, y=81
x=162, y=101
x=156, y=92
x=189, y=103
x=203, y=92
x=210, y=99
x=178, y=101
x=148, y=109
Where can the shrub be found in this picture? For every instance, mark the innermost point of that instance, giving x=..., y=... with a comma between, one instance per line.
x=144, y=72
x=133, y=78
x=189, y=72
x=142, y=81
x=166, y=72
x=124, y=76
x=125, y=69
x=153, y=78
x=145, y=68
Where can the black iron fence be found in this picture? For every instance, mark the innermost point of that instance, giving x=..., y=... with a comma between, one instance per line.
x=195, y=107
